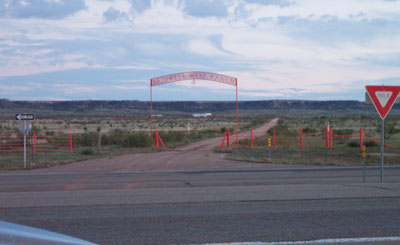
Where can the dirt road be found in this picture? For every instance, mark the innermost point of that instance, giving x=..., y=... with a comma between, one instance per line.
x=196, y=156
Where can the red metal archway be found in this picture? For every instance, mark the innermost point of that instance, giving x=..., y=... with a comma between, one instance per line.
x=192, y=75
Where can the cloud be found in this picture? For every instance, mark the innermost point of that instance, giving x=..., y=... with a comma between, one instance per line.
x=204, y=47
x=12, y=89
x=70, y=89
x=206, y=8
x=113, y=14
x=130, y=87
x=42, y=9
x=279, y=48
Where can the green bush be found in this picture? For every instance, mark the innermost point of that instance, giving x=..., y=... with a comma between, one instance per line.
x=85, y=139
x=171, y=136
x=139, y=139
x=353, y=144
x=370, y=144
x=88, y=152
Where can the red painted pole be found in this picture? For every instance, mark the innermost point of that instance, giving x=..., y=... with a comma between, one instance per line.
x=274, y=139
x=151, y=114
x=331, y=138
x=361, y=137
x=237, y=116
x=157, y=137
x=70, y=142
x=223, y=141
x=162, y=143
x=326, y=137
x=301, y=138
x=251, y=136
x=228, y=138
x=34, y=142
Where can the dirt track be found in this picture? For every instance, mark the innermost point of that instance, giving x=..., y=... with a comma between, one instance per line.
x=196, y=156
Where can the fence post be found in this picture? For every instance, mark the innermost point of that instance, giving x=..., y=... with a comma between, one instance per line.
x=301, y=138
x=162, y=143
x=70, y=142
x=361, y=137
x=330, y=138
x=223, y=141
x=273, y=131
x=157, y=141
x=251, y=143
x=34, y=142
x=227, y=138
x=326, y=137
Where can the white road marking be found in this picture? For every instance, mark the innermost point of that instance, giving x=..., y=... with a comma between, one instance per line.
x=320, y=241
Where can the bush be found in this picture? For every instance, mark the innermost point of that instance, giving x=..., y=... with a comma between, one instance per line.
x=172, y=136
x=309, y=130
x=139, y=139
x=88, y=152
x=85, y=139
x=370, y=144
x=353, y=144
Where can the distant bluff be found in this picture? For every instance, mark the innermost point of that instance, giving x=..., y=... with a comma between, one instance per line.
x=111, y=107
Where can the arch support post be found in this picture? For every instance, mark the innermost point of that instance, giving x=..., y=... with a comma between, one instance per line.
x=151, y=113
x=237, y=116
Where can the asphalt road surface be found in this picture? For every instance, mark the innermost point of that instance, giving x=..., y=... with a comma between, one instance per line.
x=166, y=198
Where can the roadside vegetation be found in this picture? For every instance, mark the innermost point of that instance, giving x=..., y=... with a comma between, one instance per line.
x=345, y=151
x=106, y=137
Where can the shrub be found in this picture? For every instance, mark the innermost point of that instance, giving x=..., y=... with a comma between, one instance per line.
x=140, y=139
x=172, y=136
x=84, y=139
x=353, y=144
x=370, y=144
x=88, y=152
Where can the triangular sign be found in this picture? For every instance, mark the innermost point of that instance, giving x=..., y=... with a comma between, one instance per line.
x=383, y=98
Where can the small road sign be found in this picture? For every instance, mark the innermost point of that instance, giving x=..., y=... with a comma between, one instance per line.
x=383, y=98
x=24, y=116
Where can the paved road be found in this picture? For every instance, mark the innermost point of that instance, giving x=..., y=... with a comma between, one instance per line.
x=181, y=207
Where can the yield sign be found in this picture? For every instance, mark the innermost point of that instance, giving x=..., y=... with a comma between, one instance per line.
x=383, y=98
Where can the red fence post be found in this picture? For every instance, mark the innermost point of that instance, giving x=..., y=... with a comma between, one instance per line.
x=361, y=137
x=157, y=141
x=301, y=138
x=251, y=143
x=227, y=138
x=223, y=140
x=331, y=138
x=34, y=142
x=162, y=143
x=70, y=142
x=326, y=137
x=273, y=132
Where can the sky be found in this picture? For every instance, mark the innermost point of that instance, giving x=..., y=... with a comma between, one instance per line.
x=277, y=49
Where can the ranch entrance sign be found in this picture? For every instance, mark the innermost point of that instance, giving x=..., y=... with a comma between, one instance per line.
x=193, y=75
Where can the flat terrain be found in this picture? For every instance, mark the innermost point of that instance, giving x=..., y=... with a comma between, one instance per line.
x=192, y=195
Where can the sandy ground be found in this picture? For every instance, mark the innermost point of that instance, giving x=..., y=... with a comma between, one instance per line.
x=196, y=156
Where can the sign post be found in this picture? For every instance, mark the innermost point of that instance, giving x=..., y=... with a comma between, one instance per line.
x=24, y=117
x=383, y=98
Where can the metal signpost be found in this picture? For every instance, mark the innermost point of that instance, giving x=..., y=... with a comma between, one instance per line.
x=24, y=117
x=363, y=155
x=383, y=98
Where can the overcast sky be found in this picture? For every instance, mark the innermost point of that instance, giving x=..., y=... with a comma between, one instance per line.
x=278, y=49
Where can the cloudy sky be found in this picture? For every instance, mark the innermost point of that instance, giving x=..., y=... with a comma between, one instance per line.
x=278, y=49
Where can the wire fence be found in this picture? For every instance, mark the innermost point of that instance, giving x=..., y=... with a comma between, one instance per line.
x=36, y=143
x=327, y=146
